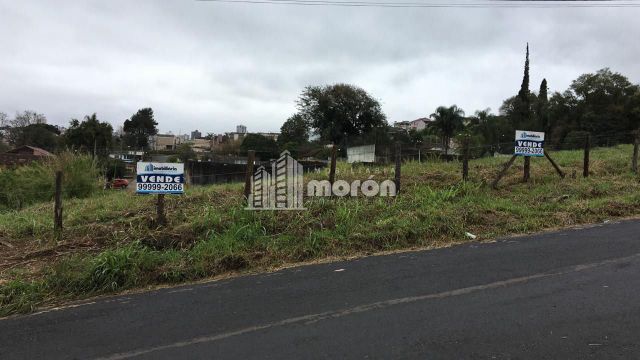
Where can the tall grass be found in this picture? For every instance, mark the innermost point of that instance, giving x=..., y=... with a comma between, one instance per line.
x=210, y=233
x=35, y=182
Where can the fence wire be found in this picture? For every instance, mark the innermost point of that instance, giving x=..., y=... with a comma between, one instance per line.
x=407, y=152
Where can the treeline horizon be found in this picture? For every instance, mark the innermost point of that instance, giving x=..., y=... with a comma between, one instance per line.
x=604, y=103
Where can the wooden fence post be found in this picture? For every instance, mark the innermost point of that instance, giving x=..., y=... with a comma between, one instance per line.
x=465, y=158
x=161, y=217
x=587, y=150
x=503, y=171
x=57, y=208
x=398, y=166
x=527, y=169
x=636, y=144
x=555, y=166
x=332, y=168
x=251, y=157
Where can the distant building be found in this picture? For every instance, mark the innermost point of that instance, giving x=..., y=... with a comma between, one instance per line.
x=218, y=140
x=196, y=135
x=23, y=155
x=181, y=139
x=163, y=142
x=29, y=150
x=239, y=134
x=404, y=125
x=417, y=124
x=236, y=136
x=128, y=156
x=201, y=145
x=270, y=135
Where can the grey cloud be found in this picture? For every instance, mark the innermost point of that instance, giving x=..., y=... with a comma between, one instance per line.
x=211, y=66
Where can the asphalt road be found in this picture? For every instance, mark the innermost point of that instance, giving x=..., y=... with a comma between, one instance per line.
x=572, y=294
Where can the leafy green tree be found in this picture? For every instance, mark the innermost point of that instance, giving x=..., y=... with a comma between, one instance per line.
x=475, y=141
x=185, y=152
x=542, y=107
x=4, y=125
x=416, y=137
x=495, y=133
x=523, y=94
x=90, y=135
x=265, y=148
x=339, y=112
x=228, y=146
x=605, y=103
x=39, y=135
x=112, y=168
x=447, y=122
x=27, y=118
x=4, y=120
x=562, y=117
x=520, y=115
x=139, y=128
x=601, y=101
x=294, y=131
x=30, y=128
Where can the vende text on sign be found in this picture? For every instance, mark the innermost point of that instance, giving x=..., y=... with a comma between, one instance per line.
x=529, y=143
x=159, y=178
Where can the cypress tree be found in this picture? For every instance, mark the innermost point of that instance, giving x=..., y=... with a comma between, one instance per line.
x=543, y=105
x=543, y=90
x=524, y=88
x=522, y=104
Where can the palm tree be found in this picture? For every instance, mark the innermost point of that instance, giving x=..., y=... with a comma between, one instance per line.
x=447, y=120
x=92, y=122
x=482, y=116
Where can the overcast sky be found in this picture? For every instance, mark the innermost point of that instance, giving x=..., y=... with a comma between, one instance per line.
x=211, y=66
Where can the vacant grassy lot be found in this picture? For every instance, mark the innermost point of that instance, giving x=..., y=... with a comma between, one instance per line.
x=111, y=244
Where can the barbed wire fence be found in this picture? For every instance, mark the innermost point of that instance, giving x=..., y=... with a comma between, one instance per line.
x=393, y=155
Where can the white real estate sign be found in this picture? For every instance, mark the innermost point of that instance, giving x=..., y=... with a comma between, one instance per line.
x=529, y=143
x=363, y=154
x=159, y=178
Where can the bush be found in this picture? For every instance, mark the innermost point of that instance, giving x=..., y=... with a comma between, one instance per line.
x=35, y=182
x=113, y=168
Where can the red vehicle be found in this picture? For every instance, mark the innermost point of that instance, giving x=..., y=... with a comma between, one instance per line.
x=118, y=184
